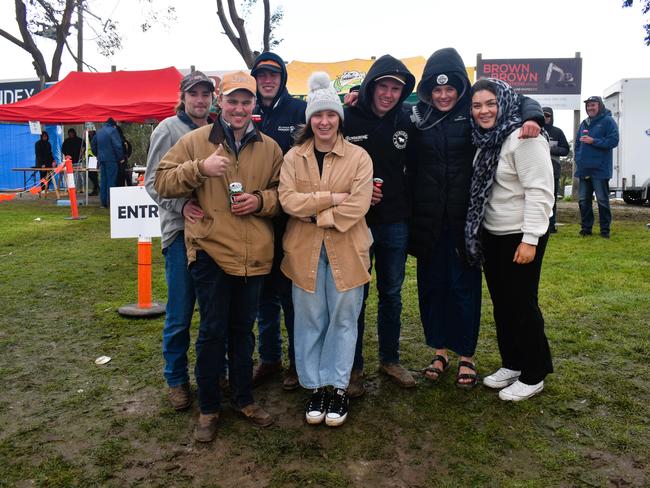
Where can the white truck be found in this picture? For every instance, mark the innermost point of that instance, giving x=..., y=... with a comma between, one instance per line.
x=629, y=101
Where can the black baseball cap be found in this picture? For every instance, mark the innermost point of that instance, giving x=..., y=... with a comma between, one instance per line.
x=592, y=99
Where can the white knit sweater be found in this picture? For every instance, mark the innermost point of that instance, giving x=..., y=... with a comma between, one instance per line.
x=522, y=192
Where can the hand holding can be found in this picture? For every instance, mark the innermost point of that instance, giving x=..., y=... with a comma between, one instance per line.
x=377, y=194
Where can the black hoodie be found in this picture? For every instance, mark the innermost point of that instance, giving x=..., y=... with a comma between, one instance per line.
x=385, y=139
x=557, y=141
x=280, y=120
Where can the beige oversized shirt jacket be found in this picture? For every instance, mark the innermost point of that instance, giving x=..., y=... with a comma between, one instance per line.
x=342, y=228
x=241, y=246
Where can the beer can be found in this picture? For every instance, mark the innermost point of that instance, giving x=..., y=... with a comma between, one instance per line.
x=257, y=118
x=377, y=182
x=235, y=189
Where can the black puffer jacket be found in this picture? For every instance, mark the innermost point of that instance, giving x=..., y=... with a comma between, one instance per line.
x=385, y=138
x=441, y=156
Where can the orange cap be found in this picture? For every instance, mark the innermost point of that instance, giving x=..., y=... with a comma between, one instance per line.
x=237, y=80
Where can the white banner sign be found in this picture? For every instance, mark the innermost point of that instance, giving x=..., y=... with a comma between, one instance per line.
x=133, y=213
x=35, y=128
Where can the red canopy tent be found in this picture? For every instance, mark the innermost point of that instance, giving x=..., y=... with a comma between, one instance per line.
x=127, y=96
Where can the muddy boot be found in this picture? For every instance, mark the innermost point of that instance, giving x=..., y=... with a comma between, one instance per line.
x=291, y=379
x=356, y=388
x=265, y=371
x=179, y=396
x=206, y=427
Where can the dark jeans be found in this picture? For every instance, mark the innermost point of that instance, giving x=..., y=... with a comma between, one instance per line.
x=449, y=294
x=276, y=297
x=389, y=254
x=108, y=179
x=227, y=305
x=586, y=191
x=518, y=319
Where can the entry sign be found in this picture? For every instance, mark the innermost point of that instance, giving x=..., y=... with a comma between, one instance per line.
x=133, y=213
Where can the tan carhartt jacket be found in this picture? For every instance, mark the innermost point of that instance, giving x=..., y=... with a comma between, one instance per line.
x=304, y=193
x=241, y=246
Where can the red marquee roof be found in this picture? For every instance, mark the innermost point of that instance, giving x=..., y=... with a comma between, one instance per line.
x=127, y=96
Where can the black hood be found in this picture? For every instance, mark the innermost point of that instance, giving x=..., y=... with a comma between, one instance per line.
x=548, y=110
x=448, y=62
x=283, y=74
x=385, y=65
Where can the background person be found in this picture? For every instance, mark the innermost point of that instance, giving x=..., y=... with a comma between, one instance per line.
x=72, y=147
x=326, y=187
x=107, y=146
x=92, y=175
x=507, y=224
x=559, y=147
x=597, y=136
x=43, y=156
x=279, y=114
x=449, y=288
x=192, y=112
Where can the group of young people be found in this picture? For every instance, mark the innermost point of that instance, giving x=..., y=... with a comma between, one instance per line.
x=462, y=181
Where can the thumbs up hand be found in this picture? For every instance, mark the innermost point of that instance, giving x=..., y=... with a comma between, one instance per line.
x=217, y=163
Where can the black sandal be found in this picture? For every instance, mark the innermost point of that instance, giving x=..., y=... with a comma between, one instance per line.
x=473, y=377
x=432, y=369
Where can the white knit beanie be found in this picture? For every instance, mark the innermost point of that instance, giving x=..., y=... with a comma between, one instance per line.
x=322, y=96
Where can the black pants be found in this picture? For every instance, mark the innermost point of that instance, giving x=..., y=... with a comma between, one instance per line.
x=519, y=321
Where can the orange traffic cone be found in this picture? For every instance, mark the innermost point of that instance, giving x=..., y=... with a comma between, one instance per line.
x=72, y=190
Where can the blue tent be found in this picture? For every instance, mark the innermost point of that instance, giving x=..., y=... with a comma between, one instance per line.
x=17, y=151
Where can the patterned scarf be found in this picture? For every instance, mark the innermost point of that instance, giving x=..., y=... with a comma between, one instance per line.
x=485, y=165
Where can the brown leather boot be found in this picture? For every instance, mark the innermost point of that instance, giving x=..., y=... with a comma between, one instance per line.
x=179, y=396
x=256, y=415
x=265, y=371
x=290, y=381
x=206, y=427
x=356, y=388
x=398, y=373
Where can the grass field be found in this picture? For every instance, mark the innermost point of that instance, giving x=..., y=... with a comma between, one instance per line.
x=65, y=421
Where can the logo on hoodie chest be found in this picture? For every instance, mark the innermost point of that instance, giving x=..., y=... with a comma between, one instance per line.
x=400, y=138
x=286, y=128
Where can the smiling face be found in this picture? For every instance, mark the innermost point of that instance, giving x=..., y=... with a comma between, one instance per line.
x=444, y=97
x=485, y=109
x=592, y=108
x=386, y=96
x=268, y=85
x=237, y=108
x=198, y=100
x=325, y=126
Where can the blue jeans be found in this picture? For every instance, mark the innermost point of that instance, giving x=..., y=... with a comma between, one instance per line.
x=180, y=307
x=389, y=254
x=587, y=188
x=449, y=293
x=327, y=330
x=228, y=305
x=108, y=179
x=276, y=297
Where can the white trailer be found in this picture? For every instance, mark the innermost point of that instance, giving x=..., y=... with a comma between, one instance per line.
x=629, y=101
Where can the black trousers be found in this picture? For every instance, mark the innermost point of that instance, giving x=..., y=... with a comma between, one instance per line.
x=519, y=321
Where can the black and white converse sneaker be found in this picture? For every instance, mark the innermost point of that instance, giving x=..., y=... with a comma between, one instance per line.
x=316, y=407
x=337, y=411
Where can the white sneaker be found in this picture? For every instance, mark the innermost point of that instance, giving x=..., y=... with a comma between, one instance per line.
x=520, y=391
x=501, y=378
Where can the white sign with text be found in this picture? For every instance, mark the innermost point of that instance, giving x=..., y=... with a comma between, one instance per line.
x=133, y=213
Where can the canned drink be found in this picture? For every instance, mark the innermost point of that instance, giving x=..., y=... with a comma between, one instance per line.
x=378, y=182
x=256, y=118
x=235, y=189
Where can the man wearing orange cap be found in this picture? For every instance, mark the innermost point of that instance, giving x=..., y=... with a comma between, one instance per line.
x=232, y=170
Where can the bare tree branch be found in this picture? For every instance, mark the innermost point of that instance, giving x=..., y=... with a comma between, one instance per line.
x=267, y=26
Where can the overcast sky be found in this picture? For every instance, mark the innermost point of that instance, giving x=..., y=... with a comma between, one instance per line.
x=609, y=38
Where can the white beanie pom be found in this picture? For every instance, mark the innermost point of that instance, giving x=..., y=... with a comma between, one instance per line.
x=318, y=81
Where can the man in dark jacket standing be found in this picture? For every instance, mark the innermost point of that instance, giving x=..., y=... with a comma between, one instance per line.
x=559, y=147
x=380, y=124
x=278, y=114
x=597, y=136
x=107, y=146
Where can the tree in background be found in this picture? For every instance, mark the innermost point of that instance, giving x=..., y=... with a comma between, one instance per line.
x=235, y=28
x=645, y=8
x=53, y=20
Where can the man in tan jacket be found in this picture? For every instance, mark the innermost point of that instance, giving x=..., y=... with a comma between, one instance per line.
x=231, y=249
